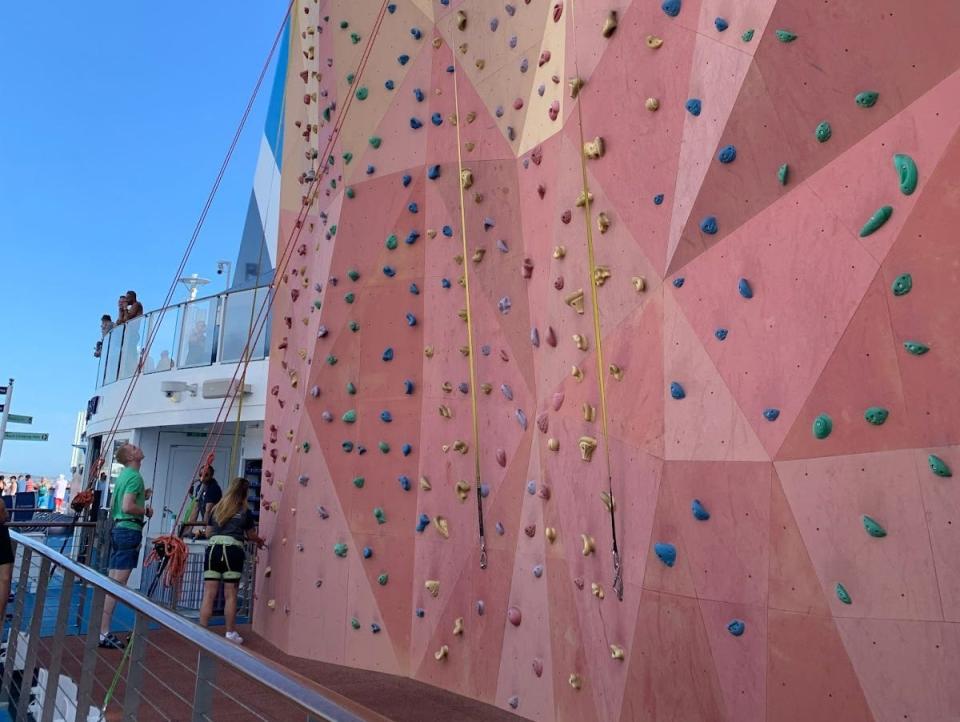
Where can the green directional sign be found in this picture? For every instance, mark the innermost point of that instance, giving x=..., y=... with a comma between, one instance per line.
x=19, y=419
x=25, y=436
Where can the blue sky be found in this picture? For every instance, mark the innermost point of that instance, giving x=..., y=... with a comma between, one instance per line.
x=114, y=117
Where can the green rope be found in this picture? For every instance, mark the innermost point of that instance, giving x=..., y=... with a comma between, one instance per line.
x=116, y=676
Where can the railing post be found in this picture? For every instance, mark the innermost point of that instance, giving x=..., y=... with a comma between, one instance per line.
x=13, y=640
x=89, y=668
x=33, y=643
x=134, y=680
x=203, y=691
x=56, y=653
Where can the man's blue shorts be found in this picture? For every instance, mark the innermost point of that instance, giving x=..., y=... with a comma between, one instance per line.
x=124, y=548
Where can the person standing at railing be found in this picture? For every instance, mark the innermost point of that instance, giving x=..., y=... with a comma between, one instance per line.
x=230, y=524
x=106, y=326
x=6, y=561
x=129, y=512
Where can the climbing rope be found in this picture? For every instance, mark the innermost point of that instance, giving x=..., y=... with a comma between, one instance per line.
x=470, y=355
x=597, y=335
x=116, y=676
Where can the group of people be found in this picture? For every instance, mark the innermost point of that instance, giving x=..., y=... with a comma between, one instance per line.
x=128, y=308
x=226, y=522
x=53, y=495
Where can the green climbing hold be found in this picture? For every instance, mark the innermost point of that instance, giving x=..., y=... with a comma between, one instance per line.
x=916, y=348
x=907, y=169
x=823, y=132
x=843, y=595
x=340, y=549
x=333, y=229
x=785, y=36
x=318, y=304
x=355, y=623
x=350, y=193
x=347, y=157
x=867, y=99
x=379, y=515
x=359, y=481
x=351, y=389
x=902, y=284
x=353, y=326
x=349, y=417
x=306, y=447
x=349, y=297
x=362, y=92
x=392, y=241
x=354, y=38
x=382, y=580
x=384, y=447
x=938, y=466
x=822, y=426
x=344, y=25
x=375, y=141
x=350, y=78
x=876, y=220
x=782, y=173
x=331, y=360
x=353, y=274
x=873, y=527
x=747, y=35
x=876, y=415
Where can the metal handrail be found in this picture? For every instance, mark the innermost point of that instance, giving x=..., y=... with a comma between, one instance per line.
x=256, y=668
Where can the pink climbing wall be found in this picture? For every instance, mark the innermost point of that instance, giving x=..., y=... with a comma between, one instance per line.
x=782, y=605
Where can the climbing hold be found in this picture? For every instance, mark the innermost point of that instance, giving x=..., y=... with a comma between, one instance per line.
x=720, y=24
x=916, y=348
x=823, y=131
x=481, y=607
x=938, y=466
x=340, y=549
x=876, y=220
x=587, y=446
x=610, y=24
x=589, y=545
x=391, y=242
x=379, y=515
x=785, y=36
x=907, y=170
x=658, y=199
x=693, y=106
x=441, y=654
x=653, y=42
x=727, y=154
x=782, y=174
x=873, y=527
x=676, y=390
x=433, y=587
x=574, y=679
x=550, y=533
x=514, y=701
x=596, y=590
x=383, y=579
x=867, y=98
x=362, y=93
x=386, y=417
x=771, y=414
x=699, y=511
x=442, y=526
x=422, y=522
x=349, y=417
x=580, y=342
x=671, y=7
x=615, y=371
x=667, y=553
x=355, y=623
x=387, y=354
x=822, y=426
x=720, y=333
x=521, y=419
x=433, y=172
x=709, y=225
x=747, y=35
x=420, y=612
x=538, y=570
x=514, y=616
x=463, y=490
x=416, y=123
x=902, y=284
x=594, y=148
x=743, y=286
x=842, y=594
x=876, y=415
x=651, y=104
x=461, y=20
x=736, y=627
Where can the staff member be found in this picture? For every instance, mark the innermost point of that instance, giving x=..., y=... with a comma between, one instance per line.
x=230, y=524
x=129, y=513
x=208, y=495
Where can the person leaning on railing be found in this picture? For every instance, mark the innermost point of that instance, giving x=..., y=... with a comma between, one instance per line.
x=230, y=524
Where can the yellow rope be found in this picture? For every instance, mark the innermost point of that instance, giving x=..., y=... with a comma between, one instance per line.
x=597, y=336
x=470, y=354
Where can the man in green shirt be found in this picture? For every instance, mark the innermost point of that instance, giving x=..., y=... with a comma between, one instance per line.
x=129, y=513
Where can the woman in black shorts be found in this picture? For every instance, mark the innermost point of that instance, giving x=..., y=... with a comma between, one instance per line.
x=231, y=523
x=6, y=560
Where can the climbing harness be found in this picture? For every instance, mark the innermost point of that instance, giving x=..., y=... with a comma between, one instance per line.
x=470, y=355
x=597, y=335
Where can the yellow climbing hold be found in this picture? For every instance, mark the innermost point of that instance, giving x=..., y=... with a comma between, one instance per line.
x=428, y=351
x=425, y=483
x=610, y=24
x=616, y=651
x=601, y=274
x=608, y=501
x=597, y=590
x=463, y=490
x=445, y=412
x=616, y=372
x=442, y=526
x=432, y=586
x=576, y=84
x=559, y=252
x=588, y=445
x=653, y=42
x=575, y=681
x=580, y=342
x=652, y=104
x=589, y=545
x=575, y=301
x=589, y=412
x=441, y=654
x=550, y=533
x=594, y=148
x=458, y=626
x=461, y=20
x=553, y=444
x=603, y=224
x=584, y=198
x=466, y=178
x=639, y=283
x=460, y=446
x=577, y=373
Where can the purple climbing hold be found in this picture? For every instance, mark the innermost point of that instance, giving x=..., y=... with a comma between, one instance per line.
x=502, y=246
x=499, y=111
x=522, y=419
x=494, y=24
x=481, y=607
x=538, y=570
x=420, y=612
x=322, y=512
x=488, y=223
x=509, y=8
x=535, y=337
x=499, y=527
x=374, y=627
x=321, y=331
x=326, y=416
x=531, y=487
x=506, y=391
x=463, y=387
x=485, y=349
x=303, y=479
x=514, y=702
x=524, y=65
x=315, y=391
x=504, y=305
x=484, y=491
x=513, y=42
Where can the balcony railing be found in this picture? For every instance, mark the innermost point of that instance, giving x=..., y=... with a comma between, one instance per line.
x=191, y=334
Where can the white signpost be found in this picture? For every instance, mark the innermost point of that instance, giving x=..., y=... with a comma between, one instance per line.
x=7, y=417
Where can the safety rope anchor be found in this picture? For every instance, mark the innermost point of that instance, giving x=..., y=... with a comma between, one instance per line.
x=483, y=554
x=617, y=575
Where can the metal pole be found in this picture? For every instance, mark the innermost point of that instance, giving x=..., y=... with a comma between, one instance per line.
x=6, y=413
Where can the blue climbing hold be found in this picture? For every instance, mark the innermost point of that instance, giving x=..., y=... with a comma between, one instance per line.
x=721, y=24
x=406, y=180
x=413, y=207
x=374, y=627
x=736, y=627
x=488, y=223
x=494, y=24
x=502, y=246
x=538, y=570
x=404, y=482
x=436, y=119
x=423, y=522
x=445, y=283
x=447, y=231
x=721, y=334
x=699, y=511
x=392, y=8
x=415, y=32
x=693, y=106
x=361, y=449
x=414, y=289
x=727, y=154
x=386, y=417
x=501, y=530
x=449, y=68
x=406, y=449
x=411, y=320
x=433, y=172
x=484, y=491
x=418, y=94
x=771, y=414
x=389, y=85
x=412, y=236
x=389, y=271
x=678, y=282
x=420, y=611
x=667, y=553
x=531, y=487
x=371, y=170
x=485, y=349
x=513, y=42
x=367, y=552
x=658, y=199
x=347, y=446
x=743, y=286
x=403, y=59
x=709, y=225
x=463, y=387
x=387, y=354
x=676, y=391
x=415, y=123
x=671, y=7
x=408, y=387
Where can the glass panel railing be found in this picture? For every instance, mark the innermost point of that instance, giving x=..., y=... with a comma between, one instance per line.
x=198, y=333
x=163, y=350
x=111, y=354
x=134, y=337
x=240, y=311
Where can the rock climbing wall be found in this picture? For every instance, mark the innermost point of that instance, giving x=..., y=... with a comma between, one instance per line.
x=712, y=305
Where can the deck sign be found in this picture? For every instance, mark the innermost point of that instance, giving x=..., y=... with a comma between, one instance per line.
x=25, y=436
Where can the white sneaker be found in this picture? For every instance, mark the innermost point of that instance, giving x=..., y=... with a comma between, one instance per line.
x=234, y=637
